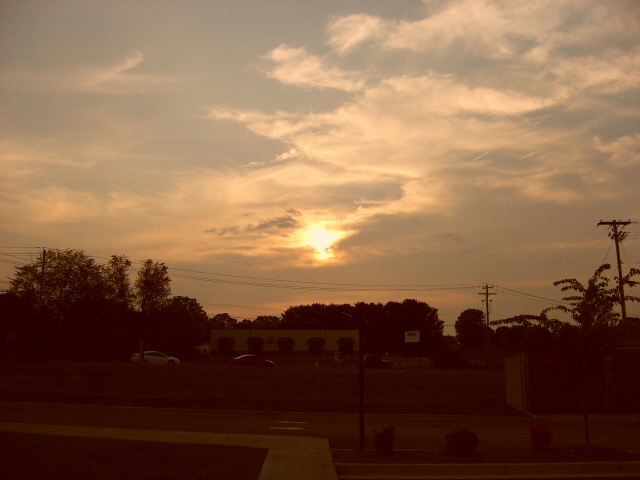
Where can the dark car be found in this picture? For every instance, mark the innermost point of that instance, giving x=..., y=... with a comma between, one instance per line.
x=371, y=361
x=251, y=361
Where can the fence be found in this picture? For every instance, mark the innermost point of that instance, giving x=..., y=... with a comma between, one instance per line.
x=543, y=382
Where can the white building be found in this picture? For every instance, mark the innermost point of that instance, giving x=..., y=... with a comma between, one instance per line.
x=313, y=342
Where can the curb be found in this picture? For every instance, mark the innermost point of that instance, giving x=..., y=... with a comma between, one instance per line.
x=368, y=471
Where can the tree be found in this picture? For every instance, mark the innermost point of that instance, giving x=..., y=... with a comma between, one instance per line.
x=266, y=322
x=470, y=328
x=524, y=338
x=181, y=325
x=152, y=286
x=81, y=308
x=385, y=325
x=18, y=327
x=58, y=278
x=117, y=280
x=592, y=328
x=222, y=321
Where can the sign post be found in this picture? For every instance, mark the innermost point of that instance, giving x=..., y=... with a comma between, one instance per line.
x=412, y=336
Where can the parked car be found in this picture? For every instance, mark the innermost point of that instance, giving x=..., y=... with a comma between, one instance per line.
x=155, y=357
x=371, y=361
x=251, y=361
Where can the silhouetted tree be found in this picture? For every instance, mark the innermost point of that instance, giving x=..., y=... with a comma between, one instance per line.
x=181, y=325
x=385, y=326
x=152, y=286
x=592, y=328
x=117, y=281
x=266, y=322
x=57, y=278
x=524, y=338
x=222, y=321
x=18, y=326
x=470, y=328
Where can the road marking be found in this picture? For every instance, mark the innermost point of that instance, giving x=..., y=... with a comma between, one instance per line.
x=287, y=422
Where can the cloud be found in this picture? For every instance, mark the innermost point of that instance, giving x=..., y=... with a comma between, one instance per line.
x=294, y=66
x=514, y=117
x=346, y=33
x=623, y=151
x=397, y=127
x=124, y=77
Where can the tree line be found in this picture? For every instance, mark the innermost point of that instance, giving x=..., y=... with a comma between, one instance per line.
x=66, y=305
x=384, y=325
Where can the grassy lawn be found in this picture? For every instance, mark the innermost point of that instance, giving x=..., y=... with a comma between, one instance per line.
x=28, y=456
x=295, y=384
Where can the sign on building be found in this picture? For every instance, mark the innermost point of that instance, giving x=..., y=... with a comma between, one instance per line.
x=412, y=337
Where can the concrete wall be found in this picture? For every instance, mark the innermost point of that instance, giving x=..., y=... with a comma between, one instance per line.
x=271, y=337
x=516, y=383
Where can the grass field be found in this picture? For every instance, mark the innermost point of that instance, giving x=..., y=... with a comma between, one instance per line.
x=295, y=384
x=28, y=456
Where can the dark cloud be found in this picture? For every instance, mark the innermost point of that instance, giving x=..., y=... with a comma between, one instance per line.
x=286, y=222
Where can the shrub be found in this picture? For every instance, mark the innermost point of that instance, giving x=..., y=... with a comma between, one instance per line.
x=383, y=441
x=541, y=436
x=460, y=441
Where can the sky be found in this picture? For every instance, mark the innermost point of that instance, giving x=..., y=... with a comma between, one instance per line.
x=275, y=153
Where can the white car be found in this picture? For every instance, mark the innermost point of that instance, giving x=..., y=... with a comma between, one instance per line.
x=155, y=357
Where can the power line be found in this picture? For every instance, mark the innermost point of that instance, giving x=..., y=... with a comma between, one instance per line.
x=460, y=285
x=333, y=287
x=569, y=250
x=528, y=296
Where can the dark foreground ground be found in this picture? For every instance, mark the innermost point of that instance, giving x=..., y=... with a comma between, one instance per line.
x=295, y=384
x=28, y=456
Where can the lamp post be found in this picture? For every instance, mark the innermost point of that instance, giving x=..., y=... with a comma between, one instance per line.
x=360, y=377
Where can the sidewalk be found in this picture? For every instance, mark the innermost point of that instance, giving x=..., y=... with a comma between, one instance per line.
x=289, y=458
x=309, y=458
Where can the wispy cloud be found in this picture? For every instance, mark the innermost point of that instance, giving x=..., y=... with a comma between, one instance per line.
x=124, y=77
x=295, y=66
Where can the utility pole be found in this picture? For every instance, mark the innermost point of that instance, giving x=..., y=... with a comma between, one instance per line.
x=617, y=238
x=486, y=301
x=44, y=260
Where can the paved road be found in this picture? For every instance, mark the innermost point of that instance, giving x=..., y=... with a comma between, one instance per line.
x=412, y=431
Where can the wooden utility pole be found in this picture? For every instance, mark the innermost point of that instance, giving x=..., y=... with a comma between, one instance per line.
x=44, y=260
x=617, y=238
x=486, y=301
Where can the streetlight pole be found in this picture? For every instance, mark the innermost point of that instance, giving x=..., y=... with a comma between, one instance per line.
x=360, y=377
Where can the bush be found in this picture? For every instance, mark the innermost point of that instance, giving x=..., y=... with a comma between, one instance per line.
x=460, y=442
x=541, y=436
x=383, y=441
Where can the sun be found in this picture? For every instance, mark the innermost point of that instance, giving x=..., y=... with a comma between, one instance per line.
x=322, y=239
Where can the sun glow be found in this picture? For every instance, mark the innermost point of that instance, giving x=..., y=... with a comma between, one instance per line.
x=322, y=239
